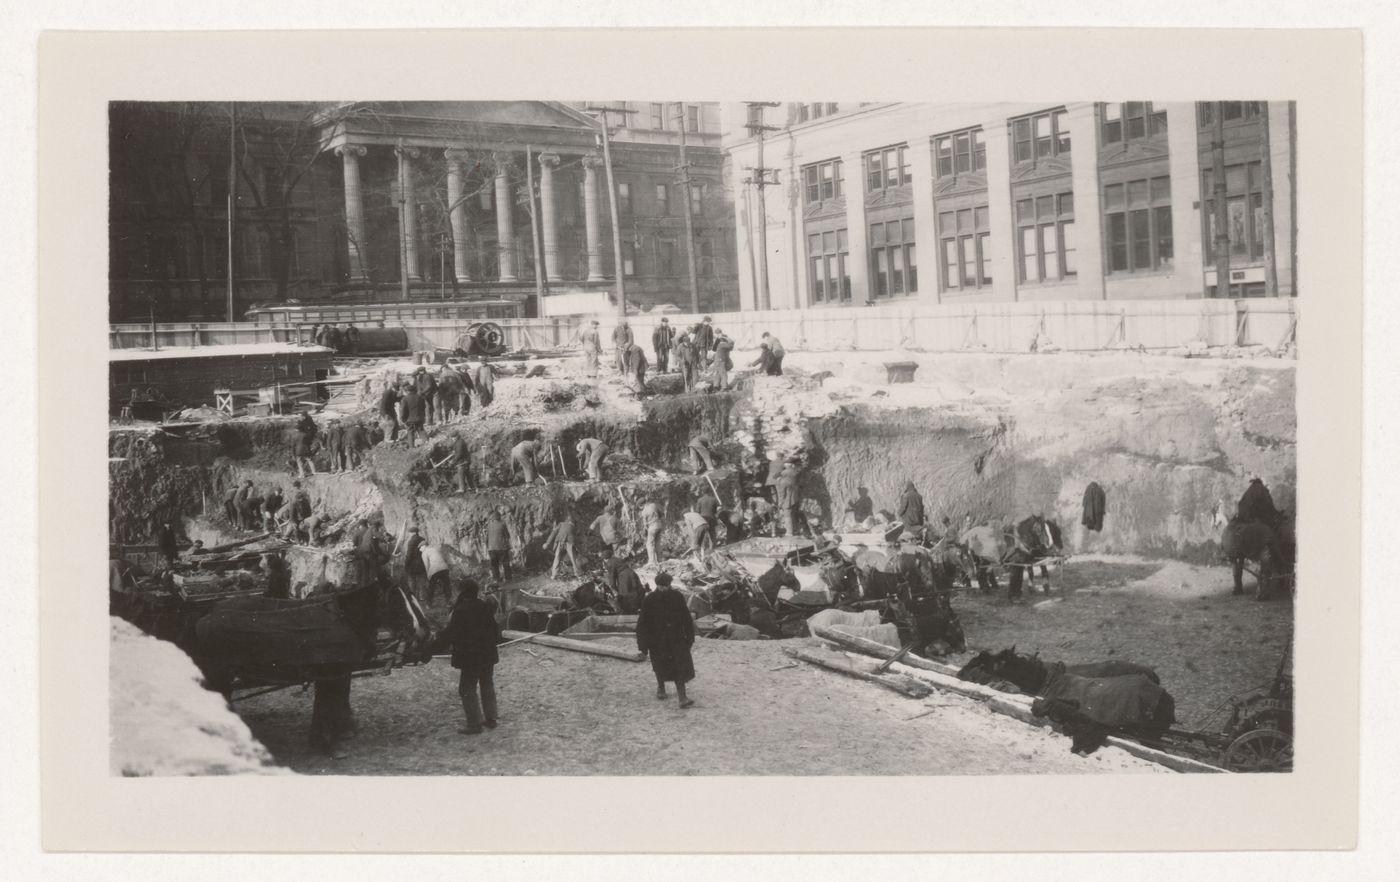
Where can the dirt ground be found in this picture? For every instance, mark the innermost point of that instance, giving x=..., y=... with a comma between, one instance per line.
x=760, y=712
x=1205, y=643
x=757, y=712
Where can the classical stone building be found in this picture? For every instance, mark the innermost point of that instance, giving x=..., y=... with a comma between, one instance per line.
x=977, y=203
x=364, y=201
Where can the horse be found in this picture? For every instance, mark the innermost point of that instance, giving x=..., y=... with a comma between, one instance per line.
x=1089, y=708
x=985, y=547
x=323, y=639
x=1269, y=545
x=916, y=584
x=980, y=669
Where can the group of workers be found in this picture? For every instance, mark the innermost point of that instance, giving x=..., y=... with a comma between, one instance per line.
x=249, y=508
x=424, y=398
x=342, y=338
x=689, y=351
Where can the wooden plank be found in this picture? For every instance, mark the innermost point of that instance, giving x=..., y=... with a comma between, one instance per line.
x=878, y=650
x=848, y=665
x=577, y=646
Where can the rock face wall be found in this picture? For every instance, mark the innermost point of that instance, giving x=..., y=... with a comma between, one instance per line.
x=1172, y=441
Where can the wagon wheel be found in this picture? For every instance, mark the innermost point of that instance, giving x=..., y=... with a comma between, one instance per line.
x=1260, y=750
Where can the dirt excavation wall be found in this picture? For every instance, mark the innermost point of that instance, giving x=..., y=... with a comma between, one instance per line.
x=1173, y=441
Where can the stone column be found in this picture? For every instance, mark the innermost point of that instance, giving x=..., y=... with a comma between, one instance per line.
x=505, y=228
x=925, y=220
x=857, y=236
x=1184, y=157
x=1088, y=218
x=458, y=214
x=591, y=164
x=1001, y=219
x=354, y=210
x=410, y=215
x=548, y=163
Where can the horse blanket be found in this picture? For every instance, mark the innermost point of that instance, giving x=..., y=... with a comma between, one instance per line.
x=262, y=631
x=1115, y=702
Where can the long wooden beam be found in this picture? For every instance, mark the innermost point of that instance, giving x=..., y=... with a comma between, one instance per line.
x=577, y=645
x=844, y=664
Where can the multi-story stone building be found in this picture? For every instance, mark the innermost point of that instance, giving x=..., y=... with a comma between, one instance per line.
x=975, y=203
x=369, y=201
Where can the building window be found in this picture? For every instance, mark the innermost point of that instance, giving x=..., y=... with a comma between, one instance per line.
x=629, y=259
x=692, y=118
x=892, y=265
x=665, y=257
x=831, y=108
x=964, y=240
x=1232, y=111
x=1244, y=208
x=658, y=116
x=803, y=114
x=1045, y=246
x=959, y=152
x=1040, y=135
x=822, y=180
x=1132, y=121
x=827, y=277
x=696, y=202
x=624, y=198
x=886, y=168
x=1138, y=225
x=663, y=199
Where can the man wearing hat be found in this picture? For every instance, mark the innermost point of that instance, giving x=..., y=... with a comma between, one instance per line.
x=666, y=631
x=704, y=338
x=661, y=341
x=592, y=342
x=622, y=341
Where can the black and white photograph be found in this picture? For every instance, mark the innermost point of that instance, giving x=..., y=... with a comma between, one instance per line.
x=686, y=437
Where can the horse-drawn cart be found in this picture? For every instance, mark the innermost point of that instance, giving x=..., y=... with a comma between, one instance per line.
x=1258, y=736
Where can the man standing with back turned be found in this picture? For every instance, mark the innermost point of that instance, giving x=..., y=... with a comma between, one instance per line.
x=473, y=634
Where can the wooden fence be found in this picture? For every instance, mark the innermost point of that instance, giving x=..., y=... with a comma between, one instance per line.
x=999, y=327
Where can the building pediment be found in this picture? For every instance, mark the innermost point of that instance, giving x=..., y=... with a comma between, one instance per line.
x=491, y=124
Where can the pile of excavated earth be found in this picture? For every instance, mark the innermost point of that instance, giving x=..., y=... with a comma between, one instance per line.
x=1172, y=441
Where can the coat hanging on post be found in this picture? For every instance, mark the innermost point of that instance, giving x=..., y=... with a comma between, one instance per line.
x=1093, y=507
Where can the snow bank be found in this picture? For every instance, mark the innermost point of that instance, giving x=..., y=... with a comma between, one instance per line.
x=165, y=723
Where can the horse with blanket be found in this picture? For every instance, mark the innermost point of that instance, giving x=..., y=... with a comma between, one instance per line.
x=1088, y=701
x=1261, y=534
x=322, y=639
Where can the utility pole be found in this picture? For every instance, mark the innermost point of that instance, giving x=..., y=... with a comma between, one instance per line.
x=602, y=113
x=232, y=188
x=1267, y=165
x=760, y=180
x=1222, y=214
x=534, y=228
x=684, y=179
x=403, y=228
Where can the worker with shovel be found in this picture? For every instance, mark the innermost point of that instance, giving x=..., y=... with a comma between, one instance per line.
x=592, y=451
x=561, y=539
x=525, y=457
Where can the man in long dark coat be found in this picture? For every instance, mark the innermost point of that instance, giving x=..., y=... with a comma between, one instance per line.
x=666, y=631
x=911, y=509
x=473, y=634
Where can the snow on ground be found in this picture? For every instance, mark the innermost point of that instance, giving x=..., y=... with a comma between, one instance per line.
x=165, y=723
